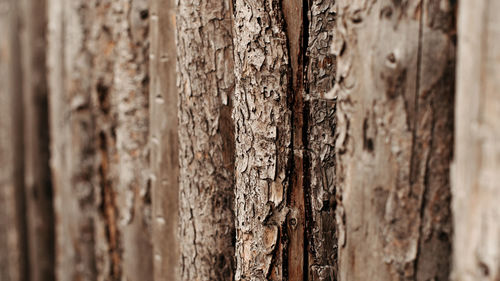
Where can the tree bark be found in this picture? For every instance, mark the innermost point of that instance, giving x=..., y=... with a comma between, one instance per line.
x=476, y=164
x=37, y=180
x=395, y=116
x=263, y=140
x=320, y=125
x=206, y=152
x=119, y=86
x=14, y=257
x=164, y=140
x=72, y=139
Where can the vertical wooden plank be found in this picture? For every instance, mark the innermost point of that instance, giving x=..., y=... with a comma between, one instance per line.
x=117, y=40
x=395, y=128
x=476, y=171
x=72, y=140
x=13, y=257
x=37, y=179
x=163, y=140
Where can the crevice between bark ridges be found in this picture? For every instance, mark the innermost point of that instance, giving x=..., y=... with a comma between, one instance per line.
x=108, y=210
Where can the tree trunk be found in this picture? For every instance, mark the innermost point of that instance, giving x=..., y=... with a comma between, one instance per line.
x=40, y=212
x=164, y=140
x=263, y=141
x=477, y=165
x=320, y=125
x=13, y=241
x=72, y=139
x=117, y=39
x=395, y=116
x=206, y=152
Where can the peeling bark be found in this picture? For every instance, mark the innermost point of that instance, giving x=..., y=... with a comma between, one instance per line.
x=38, y=184
x=206, y=153
x=164, y=140
x=72, y=139
x=477, y=163
x=395, y=115
x=14, y=254
x=263, y=140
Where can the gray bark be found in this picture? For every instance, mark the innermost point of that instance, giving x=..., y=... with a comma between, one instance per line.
x=72, y=139
x=117, y=40
x=476, y=164
x=395, y=128
x=164, y=140
x=40, y=212
x=13, y=259
x=263, y=140
x=206, y=152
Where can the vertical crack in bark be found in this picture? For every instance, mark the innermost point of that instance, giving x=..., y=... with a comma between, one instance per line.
x=296, y=30
x=108, y=210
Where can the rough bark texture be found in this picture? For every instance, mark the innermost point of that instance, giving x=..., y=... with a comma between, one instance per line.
x=117, y=40
x=38, y=185
x=206, y=154
x=164, y=140
x=320, y=114
x=13, y=257
x=395, y=116
x=477, y=162
x=72, y=139
x=263, y=140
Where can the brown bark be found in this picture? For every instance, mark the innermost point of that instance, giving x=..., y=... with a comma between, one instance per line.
x=13, y=257
x=117, y=40
x=72, y=139
x=206, y=152
x=40, y=212
x=320, y=126
x=395, y=116
x=263, y=140
x=477, y=165
x=164, y=140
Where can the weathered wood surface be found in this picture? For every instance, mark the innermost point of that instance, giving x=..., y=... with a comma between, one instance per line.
x=117, y=40
x=395, y=80
x=72, y=139
x=13, y=240
x=476, y=172
x=164, y=140
x=37, y=179
x=206, y=136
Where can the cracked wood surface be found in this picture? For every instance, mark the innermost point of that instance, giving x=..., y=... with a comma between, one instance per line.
x=263, y=140
x=476, y=168
x=205, y=67
x=395, y=125
x=320, y=134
